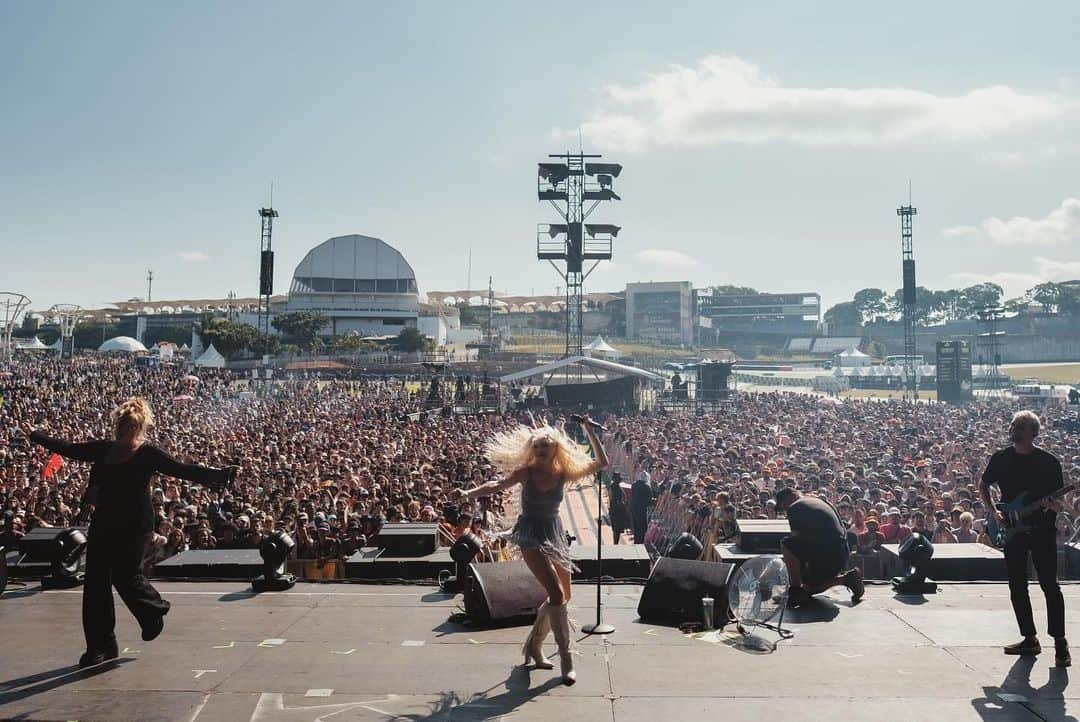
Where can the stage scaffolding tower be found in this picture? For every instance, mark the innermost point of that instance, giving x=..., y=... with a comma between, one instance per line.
x=66, y=316
x=911, y=362
x=989, y=343
x=569, y=183
x=266, y=270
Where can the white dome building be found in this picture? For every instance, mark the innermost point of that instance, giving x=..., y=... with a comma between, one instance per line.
x=125, y=344
x=363, y=284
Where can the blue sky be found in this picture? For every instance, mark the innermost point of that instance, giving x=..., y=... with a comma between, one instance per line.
x=764, y=144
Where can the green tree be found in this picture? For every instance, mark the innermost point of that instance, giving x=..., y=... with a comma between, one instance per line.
x=229, y=338
x=468, y=314
x=843, y=315
x=924, y=304
x=266, y=346
x=1047, y=295
x=301, y=326
x=870, y=303
x=1069, y=298
x=92, y=334
x=173, y=334
x=981, y=295
x=353, y=342
x=1016, y=305
x=410, y=339
x=731, y=290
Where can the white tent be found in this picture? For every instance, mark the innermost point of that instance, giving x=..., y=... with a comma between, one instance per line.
x=600, y=347
x=32, y=344
x=597, y=367
x=212, y=359
x=854, y=357
x=122, y=343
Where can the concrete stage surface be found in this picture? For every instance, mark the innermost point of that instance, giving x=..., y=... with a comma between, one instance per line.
x=348, y=652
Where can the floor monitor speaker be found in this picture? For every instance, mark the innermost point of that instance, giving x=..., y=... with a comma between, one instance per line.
x=502, y=593
x=673, y=593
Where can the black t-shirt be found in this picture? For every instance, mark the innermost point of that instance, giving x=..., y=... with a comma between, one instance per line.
x=814, y=518
x=1035, y=475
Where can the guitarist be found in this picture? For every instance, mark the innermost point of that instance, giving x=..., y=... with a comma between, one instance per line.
x=1025, y=469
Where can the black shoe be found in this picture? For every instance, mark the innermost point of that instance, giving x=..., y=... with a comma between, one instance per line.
x=91, y=658
x=1062, y=658
x=853, y=580
x=1025, y=648
x=798, y=597
x=151, y=631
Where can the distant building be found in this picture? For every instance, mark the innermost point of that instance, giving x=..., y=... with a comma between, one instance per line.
x=361, y=283
x=784, y=313
x=661, y=312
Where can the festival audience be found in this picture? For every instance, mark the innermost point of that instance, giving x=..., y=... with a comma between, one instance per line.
x=331, y=461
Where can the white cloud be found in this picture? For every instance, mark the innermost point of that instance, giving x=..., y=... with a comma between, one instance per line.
x=729, y=100
x=664, y=257
x=1034, y=156
x=960, y=231
x=1052, y=270
x=1061, y=225
x=193, y=256
x=1015, y=283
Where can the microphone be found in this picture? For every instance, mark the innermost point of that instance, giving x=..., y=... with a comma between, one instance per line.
x=581, y=420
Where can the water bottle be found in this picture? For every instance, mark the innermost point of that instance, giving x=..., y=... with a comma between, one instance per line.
x=707, y=612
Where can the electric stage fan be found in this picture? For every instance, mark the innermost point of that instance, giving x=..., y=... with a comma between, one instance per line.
x=758, y=593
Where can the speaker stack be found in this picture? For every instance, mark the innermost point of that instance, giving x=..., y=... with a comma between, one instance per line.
x=408, y=540
x=502, y=593
x=673, y=593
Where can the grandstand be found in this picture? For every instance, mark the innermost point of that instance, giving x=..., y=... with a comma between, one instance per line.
x=834, y=344
x=799, y=345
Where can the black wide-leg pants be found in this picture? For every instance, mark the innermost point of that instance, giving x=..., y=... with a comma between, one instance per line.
x=1041, y=543
x=115, y=560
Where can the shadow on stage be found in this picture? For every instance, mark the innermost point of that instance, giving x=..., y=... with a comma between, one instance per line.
x=14, y=690
x=480, y=706
x=999, y=704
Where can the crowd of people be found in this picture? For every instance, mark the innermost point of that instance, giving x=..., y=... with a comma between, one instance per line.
x=888, y=467
x=331, y=461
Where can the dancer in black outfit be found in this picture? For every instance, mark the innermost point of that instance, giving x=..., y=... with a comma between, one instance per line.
x=122, y=523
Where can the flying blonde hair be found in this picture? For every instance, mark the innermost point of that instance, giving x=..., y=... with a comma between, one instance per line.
x=135, y=412
x=511, y=450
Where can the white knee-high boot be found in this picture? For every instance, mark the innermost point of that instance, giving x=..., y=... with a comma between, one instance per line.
x=560, y=627
x=534, y=644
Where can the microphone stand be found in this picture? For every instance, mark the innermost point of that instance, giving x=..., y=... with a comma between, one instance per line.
x=599, y=627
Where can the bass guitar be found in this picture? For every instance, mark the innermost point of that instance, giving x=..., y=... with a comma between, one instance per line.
x=1016, y=514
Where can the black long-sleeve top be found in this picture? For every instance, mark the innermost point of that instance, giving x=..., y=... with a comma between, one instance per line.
x=121, y=490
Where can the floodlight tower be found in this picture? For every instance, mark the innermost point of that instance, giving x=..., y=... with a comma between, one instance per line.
x=911, y=384
x=568, y=184
x=266, y=269
x=67, y=317
x=989, y=342
x=11, y=305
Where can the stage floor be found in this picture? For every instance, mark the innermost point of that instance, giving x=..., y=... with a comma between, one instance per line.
x=361, y=652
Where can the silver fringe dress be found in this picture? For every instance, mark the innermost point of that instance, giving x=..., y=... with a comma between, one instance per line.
x=539, y=526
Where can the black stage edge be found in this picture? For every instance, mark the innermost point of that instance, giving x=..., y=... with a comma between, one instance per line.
x=762, y=536
x=374, y=564
x=621, y=561
x=952, y=563
x=211, y=564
